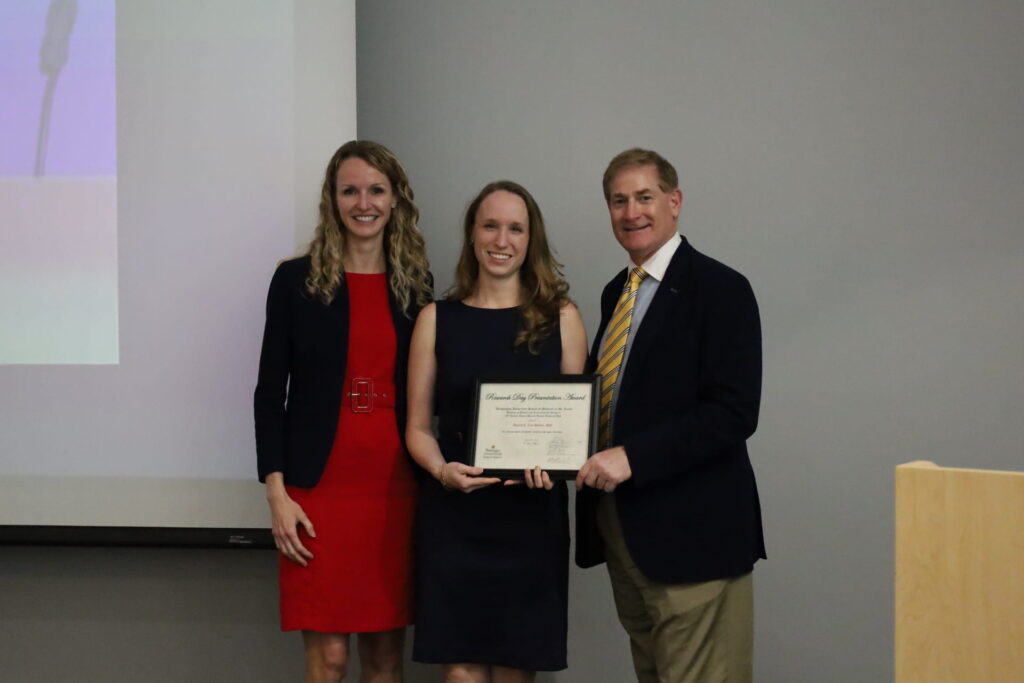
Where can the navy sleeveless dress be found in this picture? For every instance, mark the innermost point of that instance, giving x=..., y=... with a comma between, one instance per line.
x=492, y=566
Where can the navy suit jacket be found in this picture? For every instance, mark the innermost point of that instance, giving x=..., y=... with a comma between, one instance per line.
x=302, y=369
x=688, y=401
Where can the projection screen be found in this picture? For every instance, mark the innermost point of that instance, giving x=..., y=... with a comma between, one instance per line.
x=157, y=159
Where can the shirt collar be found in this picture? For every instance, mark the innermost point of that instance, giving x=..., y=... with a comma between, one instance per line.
x=657, y=264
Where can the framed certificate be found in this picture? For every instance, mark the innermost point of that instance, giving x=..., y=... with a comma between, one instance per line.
x=521, y=423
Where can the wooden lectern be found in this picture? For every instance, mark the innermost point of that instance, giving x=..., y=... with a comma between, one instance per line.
x=959, y=575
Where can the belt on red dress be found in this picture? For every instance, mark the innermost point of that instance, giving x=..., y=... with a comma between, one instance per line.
x=364, y=394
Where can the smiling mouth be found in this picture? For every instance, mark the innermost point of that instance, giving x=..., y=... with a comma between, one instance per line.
x=365, y=219
x=499, y=257
x=635, y=229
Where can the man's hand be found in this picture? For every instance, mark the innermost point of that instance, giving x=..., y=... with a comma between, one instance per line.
x=605, y=470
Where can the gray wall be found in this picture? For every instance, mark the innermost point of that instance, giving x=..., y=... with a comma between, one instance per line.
x=105, y=615
x=862, y=163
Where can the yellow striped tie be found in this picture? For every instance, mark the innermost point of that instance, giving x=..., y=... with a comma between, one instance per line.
x=614, y=348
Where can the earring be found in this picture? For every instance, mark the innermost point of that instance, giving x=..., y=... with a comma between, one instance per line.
x=394, y=204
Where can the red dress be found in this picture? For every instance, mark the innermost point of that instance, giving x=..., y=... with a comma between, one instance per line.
x=360, y=577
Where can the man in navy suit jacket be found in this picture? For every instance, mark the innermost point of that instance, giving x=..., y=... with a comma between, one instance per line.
x=670, y=502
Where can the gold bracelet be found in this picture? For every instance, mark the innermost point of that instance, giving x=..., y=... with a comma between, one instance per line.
x=443, y=478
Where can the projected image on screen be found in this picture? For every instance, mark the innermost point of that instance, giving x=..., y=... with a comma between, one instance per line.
x=58, y=183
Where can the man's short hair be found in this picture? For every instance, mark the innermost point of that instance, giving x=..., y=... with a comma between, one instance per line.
x=667, y=178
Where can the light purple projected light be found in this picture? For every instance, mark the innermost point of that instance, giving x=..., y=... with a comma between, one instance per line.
x=58, y=182
x=64, y=49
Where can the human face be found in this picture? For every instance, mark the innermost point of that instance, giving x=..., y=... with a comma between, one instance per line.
x=364, y=198
x=501, y=234
x=643, y=215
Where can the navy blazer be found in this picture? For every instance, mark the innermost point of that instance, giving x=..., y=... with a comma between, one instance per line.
x=688, y=401
x=302, y=369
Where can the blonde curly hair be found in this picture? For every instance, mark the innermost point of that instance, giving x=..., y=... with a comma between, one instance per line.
x=404, y=248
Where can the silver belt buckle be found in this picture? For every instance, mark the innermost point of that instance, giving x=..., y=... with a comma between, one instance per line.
x=361, y=396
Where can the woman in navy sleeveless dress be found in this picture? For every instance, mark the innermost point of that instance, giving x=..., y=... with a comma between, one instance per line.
x=491, y=558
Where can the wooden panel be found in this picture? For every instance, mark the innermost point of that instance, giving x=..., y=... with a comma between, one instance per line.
x=959, y=575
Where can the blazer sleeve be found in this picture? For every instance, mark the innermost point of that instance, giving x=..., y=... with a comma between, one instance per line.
x=272, y=380
x=728, y=392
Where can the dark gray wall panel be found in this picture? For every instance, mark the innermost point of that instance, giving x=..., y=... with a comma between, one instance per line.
x=862, y=163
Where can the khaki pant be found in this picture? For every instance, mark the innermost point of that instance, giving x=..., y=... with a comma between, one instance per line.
x=679, y=633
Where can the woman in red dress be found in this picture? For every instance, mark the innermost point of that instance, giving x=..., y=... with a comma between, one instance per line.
x=328, y=405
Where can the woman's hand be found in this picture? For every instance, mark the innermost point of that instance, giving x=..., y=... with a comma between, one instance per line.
x=534, y=479
x=538, y=479
x=461, y=477
x=286, y=515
